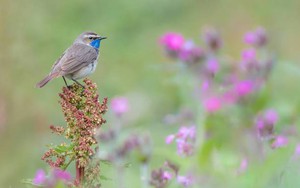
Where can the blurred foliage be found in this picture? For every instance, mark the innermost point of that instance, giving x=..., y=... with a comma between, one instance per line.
x=33, y=33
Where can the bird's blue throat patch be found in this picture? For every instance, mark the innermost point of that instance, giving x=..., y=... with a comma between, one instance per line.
x=95, y=43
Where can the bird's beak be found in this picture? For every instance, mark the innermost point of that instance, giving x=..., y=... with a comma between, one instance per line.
x=101, y=38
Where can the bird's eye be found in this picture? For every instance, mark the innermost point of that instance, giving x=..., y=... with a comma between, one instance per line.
x=90, y=38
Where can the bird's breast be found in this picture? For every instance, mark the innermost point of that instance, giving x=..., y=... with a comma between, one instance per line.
x=85, y=71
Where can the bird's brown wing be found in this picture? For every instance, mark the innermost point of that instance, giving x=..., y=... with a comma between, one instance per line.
x=76, y=57
x=56, y=67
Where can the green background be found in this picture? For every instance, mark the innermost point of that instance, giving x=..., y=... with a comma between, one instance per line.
x=33, y=33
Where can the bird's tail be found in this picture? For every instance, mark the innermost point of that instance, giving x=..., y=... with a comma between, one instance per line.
x=46, y=80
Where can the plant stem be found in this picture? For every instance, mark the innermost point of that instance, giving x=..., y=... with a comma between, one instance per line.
x=120, y=176
x=71, y=160
x=79, y=173
x=144, y=175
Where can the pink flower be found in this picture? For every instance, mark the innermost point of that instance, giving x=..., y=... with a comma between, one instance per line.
x=166, y=175
x=185, y=140
x=250, y=38
x=249, y=55
x=280, y=141
x=257, y=37
x=243, y=166
x=185, y=180
x=187, y=132
x=243, y=88
x=119, y=105
x=190, y=52
x=212, y=66
x=265, y=123
x=61, y=175
x=205, y=85
x=172, y=41
x=212, y=104
x=229, y=97
x=271, y=116
x=40, y=177
x=184, y=148
x=170, y=139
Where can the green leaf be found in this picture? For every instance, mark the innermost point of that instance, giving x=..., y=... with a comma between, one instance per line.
x=63, y=148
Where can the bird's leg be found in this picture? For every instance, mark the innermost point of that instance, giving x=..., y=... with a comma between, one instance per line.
x=78, y=83
x=65, y=82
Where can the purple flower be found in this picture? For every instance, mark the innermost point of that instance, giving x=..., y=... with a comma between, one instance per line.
x=172, y=41
x=166, y=175
x=187, y=132
x=249, y=55
x=170, y=138
x=119, y=105
x=40, y=177
x=205, y=85
x=243, y=166
x=265, y=123
x=257, y=37
x=185, y=140
x=212, y=66
x=185, y=180
x=190, y=52
x=184, y=148
x=243, y=88
x=61, y=175
x=250, y=38
x=212, y=104
x=271, y=116
x=279, y=141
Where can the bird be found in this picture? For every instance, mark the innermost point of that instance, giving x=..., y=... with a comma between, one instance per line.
x=78, y=61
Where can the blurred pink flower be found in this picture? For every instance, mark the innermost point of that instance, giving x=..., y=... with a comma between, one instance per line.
x=166, y=175
x=212, y=104
x=265, y=123
x=61, y=175
x=257, y=37
x=279, y=141
x=243, y=166
x=172, y=41
x=185, y=180
x=184, y=148
x=119, y=105
x=190, y=52
x=212, y=66
x=244, y=87
x=187, y=132
x=40, y=177
x=170, y=138
x=271, y=116
x=250, y=38
x=249, y=55
x=205, y=85
x=185, y=139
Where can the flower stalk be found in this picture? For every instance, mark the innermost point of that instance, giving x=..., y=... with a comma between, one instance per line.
x=83, y=114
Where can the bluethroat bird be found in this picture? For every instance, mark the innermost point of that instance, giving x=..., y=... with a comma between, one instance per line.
x=78, y=61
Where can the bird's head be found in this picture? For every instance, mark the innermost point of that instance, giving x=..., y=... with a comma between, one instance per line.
x=90, y=38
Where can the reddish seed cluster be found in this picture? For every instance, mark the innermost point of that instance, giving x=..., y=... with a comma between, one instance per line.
x=83, y=113
x=49, y=158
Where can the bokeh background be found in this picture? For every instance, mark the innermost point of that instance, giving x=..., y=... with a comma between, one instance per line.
x=33, y=33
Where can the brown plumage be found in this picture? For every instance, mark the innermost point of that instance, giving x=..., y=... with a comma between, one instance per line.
x=77, y=62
